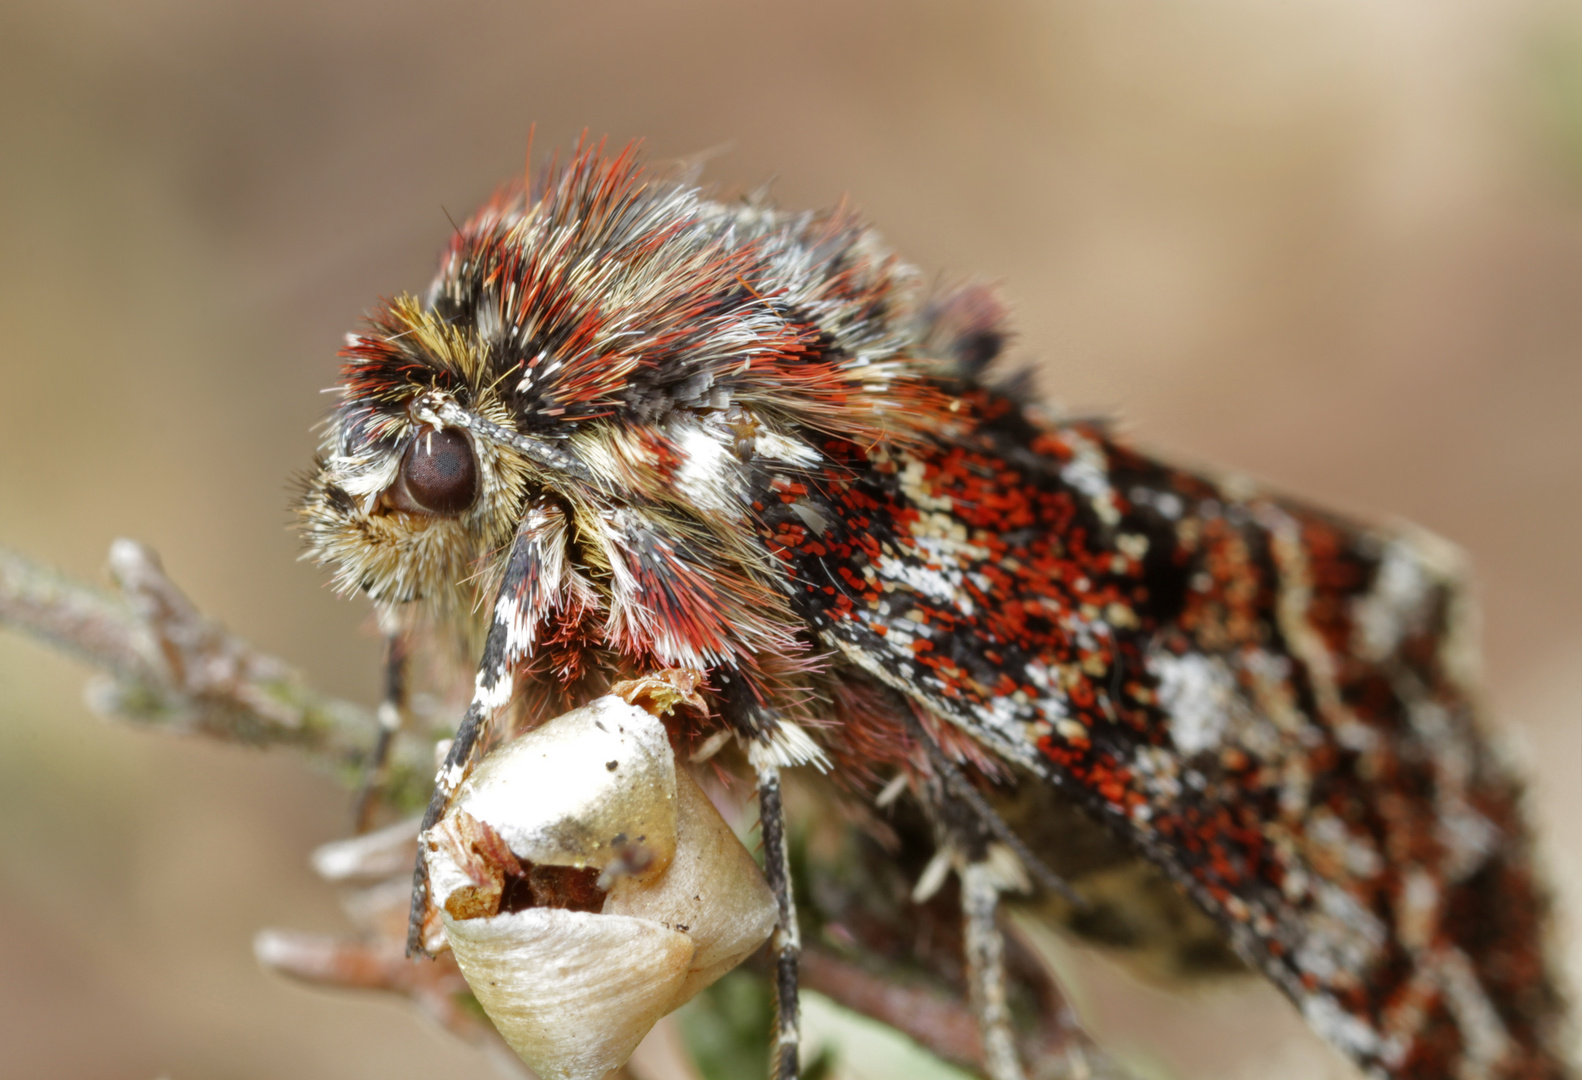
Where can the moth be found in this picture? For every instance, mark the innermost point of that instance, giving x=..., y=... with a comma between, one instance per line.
x=630, y=428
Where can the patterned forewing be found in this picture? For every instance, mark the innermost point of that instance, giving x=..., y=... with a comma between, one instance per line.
x=1272, y=704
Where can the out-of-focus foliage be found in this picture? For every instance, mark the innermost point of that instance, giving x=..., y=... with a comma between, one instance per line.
x=1556, y=71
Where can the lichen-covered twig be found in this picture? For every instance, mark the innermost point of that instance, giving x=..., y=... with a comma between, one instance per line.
x=166, y=665
x=91, y=623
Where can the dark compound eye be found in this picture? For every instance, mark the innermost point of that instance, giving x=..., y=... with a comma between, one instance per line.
x=439, y=472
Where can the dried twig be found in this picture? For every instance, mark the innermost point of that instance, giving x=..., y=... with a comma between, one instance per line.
x=168, y=666
x=943, y=1025
x=1058, y=1048
x=88, y=622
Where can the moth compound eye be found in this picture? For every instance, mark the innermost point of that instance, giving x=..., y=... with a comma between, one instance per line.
x=439, y=473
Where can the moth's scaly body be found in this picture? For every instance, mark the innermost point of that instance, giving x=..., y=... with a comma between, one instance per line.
x=731, y=439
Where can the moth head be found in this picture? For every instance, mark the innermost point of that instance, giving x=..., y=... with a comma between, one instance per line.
x=401, y=502
x=616, y=343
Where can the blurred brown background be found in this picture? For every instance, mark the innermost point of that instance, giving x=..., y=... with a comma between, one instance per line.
x=1333, y=243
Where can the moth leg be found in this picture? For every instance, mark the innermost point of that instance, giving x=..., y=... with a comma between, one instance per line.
x=990, y=859
x=457, y=761
x=787, y=941
x=392, y=708
x=491, y=691
x=985, y=954
x=959, y=788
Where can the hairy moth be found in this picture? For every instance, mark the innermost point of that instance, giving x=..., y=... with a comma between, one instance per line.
x=629, y=428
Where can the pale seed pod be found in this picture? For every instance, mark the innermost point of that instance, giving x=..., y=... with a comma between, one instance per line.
x=588, y=887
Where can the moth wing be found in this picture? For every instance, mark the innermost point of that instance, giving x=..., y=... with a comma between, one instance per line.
x=1274, y=706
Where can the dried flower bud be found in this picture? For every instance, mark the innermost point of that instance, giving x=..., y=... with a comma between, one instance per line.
x=587, y=888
